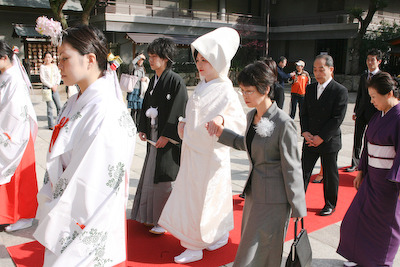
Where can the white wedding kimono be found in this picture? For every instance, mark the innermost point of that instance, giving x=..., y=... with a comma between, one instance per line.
x=199, y=209
x=17, y=121
x=82, y=203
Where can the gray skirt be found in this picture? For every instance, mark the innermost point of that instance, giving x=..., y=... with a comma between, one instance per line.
x=264, y=228
x=150, y=198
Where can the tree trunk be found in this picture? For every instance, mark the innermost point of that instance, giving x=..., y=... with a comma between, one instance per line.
x=87, y=6
x=56, y=7
x=355, y=60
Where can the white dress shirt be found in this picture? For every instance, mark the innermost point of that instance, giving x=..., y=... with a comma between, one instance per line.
x=321, y=87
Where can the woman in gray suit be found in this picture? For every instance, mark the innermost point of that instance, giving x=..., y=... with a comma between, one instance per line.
x=274, y=189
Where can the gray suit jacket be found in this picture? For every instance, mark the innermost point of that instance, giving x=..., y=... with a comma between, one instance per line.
x=274, y=161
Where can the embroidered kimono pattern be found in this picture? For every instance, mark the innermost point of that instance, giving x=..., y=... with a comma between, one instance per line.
x=199, y=210
x=82, y=204
x=18, y=129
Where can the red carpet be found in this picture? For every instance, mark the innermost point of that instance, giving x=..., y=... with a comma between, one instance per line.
x=145, y=249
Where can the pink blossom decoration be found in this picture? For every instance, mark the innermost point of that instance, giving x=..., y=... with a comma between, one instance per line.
x=49, y=27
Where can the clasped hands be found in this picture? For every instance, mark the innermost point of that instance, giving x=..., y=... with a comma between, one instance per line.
x=215, y=126
x=312, y=140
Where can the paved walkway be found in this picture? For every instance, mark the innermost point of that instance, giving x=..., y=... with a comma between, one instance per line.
x=324, y=241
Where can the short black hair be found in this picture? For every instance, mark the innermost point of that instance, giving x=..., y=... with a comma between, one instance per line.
x=258, y=74
x=47, y=52
x=272, y=65
x=282, y=58
x=5, y=50
x=165, y=48
x=375, y=52
x=383, y=83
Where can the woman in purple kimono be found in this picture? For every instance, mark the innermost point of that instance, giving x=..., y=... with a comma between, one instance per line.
x=370, y=231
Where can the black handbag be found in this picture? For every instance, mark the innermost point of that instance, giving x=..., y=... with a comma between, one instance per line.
x=300, y=252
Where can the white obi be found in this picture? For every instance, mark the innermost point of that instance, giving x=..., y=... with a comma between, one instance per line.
x=380, y=157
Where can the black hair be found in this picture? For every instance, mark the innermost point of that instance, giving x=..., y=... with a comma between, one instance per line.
x=282, y=58
x=272, y=65
x=383, y=83
x=165, y=48
x=88, y=39
x=375, y=52
x=47, y=52
x=328, y=59
x=258, y=74
x=195, y=53
x=5, y=50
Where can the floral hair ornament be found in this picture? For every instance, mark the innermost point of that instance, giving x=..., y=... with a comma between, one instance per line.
x=15, y=49
x=51, y=28
x=115, y=61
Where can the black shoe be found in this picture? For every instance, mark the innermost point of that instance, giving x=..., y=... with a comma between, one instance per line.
x=315, y=181
x=326, y=211
x=351, y=169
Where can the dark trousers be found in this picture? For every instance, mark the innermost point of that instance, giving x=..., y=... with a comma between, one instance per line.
x=330, y=173
x=359, y=129
x=135, y=114
x=295, y=98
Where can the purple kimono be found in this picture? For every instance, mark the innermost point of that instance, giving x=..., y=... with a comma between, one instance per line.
x=370, y=231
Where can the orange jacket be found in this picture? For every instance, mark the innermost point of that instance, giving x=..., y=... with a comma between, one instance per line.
x=300, y=82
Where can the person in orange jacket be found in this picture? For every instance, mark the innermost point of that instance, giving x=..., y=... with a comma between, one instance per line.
x=300, y=80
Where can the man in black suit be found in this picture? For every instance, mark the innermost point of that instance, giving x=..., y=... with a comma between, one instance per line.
x=323, y=111
x=364, y=109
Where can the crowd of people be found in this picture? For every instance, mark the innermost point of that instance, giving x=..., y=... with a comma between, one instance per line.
x=185, y=184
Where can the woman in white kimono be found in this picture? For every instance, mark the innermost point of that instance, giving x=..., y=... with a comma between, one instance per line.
x=199, y=210
x=18, y=129
x=82, y=203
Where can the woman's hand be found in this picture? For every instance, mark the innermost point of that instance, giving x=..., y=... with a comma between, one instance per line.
x=358, y=180
x=297, y=219
x=54, y=88
x=215, y=126
x=181, y=129
x=142, y=136
x=162, y=142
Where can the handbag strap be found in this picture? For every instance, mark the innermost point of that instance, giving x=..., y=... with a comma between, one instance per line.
x=295, y=227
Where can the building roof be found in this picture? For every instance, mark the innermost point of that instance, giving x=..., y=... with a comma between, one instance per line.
x=26, y=31
x=72, y=5
x=146, y=38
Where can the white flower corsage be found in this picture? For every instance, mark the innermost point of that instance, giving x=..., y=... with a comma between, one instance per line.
x=168, y=97
x=152, y=113
x=265, y=127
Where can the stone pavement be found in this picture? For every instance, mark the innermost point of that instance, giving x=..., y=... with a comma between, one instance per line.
x=323, y=242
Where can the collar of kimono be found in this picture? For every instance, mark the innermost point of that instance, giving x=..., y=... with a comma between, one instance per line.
x=56, y=131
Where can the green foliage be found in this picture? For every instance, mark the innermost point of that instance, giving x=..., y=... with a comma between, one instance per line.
x=248, y=52
x=356, y=12
x=378, y=39
x=184, y=67
x=384, y=32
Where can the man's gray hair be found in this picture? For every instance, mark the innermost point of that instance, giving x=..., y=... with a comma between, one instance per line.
x=328, y=59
